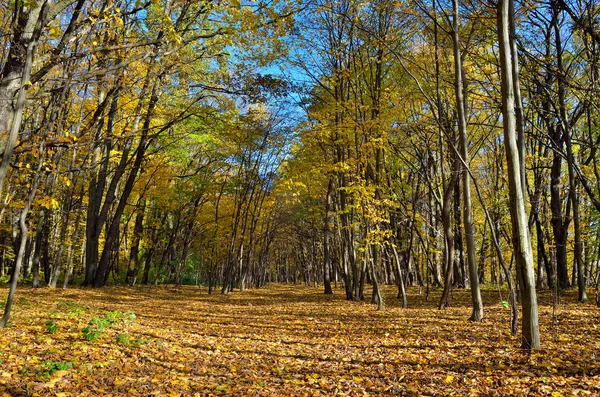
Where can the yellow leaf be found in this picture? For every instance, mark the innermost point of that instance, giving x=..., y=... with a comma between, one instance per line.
x=221, y=388
x=56, y=378
x=449, y=379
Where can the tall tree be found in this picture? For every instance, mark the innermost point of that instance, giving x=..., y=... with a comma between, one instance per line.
x=520, y=230
x=477, y=314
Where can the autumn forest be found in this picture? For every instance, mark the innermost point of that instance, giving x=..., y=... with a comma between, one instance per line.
x=299, y=197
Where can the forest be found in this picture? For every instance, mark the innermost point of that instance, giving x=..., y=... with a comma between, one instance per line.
x=425, y=168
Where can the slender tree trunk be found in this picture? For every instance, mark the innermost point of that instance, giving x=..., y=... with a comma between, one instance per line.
x=496, y=243
x=483, y=255
x=16, y=74
x=520, y=229
x=326, y=238
x=23, y=227
x=74, y=238
x=147, y=265
x=570, y=165
x=187, y=239
x=542, y=255
x=477, y=314
x=63, y=233
x=519, y=117
x=103, y=264
x=374, y=279
x=45, y=257
x=37, y=249
x=401, y=289
x=459, y=252
x=27, y=258
x=560, y=222
x=436, y=269
x=134, y=254
x=447, y=224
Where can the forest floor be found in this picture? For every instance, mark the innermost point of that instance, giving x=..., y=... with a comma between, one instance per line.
x=287, y=340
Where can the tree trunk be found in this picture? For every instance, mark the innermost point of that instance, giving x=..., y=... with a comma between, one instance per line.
x=401, y=289
x=21, y=251
x=520, y=229
x=63, y=233
x=74, y=238
x=570, y=165
x=37, y=250
x=376, y=298
x=45, y=256
x=16, y=73
x=477, y=314
x=326, y=234
x=447, y=224
x=103, y=265
x=560, y=222
x=134, y=254
x=459, y=253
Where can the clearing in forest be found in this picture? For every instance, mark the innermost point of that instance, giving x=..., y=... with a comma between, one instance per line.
x=286, y=340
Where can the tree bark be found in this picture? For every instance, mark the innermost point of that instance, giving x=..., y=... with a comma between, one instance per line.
x=21, y=251
x=326, y=238
x=520, y=229
x=447, y=224
x=401, y=289
x=566, y=127
x=477, y=313
x=103, y=265
x=134, y=254
x=16, y=73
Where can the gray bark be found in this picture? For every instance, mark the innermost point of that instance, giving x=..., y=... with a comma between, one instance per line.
x=14, y=79
x=570, y=160
x=477, y=314
x=401, y=288
x=138, y=229
x=326, y=238
x=21, y=252
x=521, y=239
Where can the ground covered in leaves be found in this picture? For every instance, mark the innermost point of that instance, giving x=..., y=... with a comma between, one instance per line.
x=286, y=340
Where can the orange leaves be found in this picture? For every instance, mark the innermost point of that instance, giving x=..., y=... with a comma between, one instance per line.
x=287, y=340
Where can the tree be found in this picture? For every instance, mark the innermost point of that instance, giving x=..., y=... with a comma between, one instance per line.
x=477, y=314
x=521, y=240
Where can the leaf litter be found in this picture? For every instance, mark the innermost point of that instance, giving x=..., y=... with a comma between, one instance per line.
x=287, y=340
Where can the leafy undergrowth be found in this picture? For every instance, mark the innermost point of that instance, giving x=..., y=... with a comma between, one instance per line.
x=286, y=340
